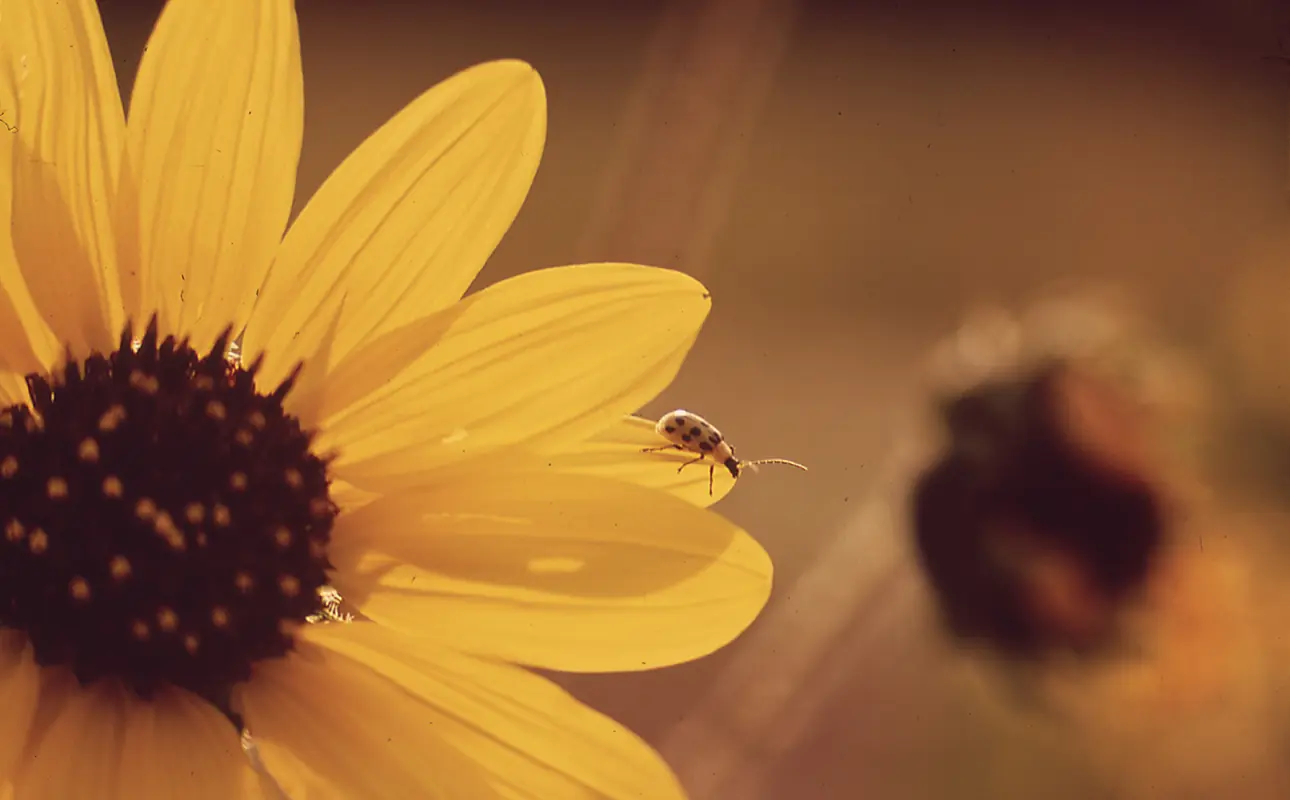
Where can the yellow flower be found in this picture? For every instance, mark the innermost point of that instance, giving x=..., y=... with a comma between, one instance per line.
x=463, y=471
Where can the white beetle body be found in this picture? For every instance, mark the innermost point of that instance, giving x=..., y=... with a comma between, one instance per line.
x=687, y=431
x=694, y=434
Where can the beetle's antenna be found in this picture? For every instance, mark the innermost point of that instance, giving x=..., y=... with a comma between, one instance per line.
x=785, y=461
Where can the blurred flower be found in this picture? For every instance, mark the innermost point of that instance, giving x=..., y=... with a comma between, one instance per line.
x=175, y=517
x=1030, y=535
x=1187, y=708
x=1071, y=528
x=1041, y=519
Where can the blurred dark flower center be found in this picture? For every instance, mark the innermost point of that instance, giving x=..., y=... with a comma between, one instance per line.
x=1029, y=527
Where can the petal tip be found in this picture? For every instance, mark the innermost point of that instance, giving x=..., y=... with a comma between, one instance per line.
x=517, y=82
x=509, y=70
x=690, y=285
x=527, y=79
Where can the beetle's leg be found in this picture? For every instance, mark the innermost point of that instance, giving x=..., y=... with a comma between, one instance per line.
x=694, y=460
x=662, y=447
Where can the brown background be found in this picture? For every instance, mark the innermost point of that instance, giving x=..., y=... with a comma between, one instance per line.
x=847, y=178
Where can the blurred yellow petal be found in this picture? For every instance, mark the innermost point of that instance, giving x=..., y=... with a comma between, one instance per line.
x=353, y=729
x=79, y=753
x=13, y=388
x=618, y=452
x=568, y=572
x=534, y=740
x=19, y=690
x=291, y=779
x=215, y=126
x=402, y=227
x=102, y=741
x=59, y=94
x=178, y=745
x=542, y=359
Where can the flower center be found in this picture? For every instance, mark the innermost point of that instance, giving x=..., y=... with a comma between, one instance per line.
x=163, y=522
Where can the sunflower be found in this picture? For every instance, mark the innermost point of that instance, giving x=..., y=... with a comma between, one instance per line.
x=464, y=473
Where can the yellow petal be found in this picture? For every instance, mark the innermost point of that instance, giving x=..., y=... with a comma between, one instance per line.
x=86, y=732
x=568, y=572
x=534, y=740
x=13, y=388
x=304, y=402
x=349, y=497
x=543, y=359
x=174, y=745
x=215, y=126
x=291, y=779
x=26, y=342
x=178, y=745
x=619, y=452
x=19, y=690
x=352, y=729
x=405, y=223
x=59, y=93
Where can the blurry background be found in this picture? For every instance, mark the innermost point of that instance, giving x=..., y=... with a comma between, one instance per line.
x=849, y=179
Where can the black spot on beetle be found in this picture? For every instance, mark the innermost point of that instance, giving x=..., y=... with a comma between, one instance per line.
x=685, y=437
x=705, y=447
x=669, y=429
x=696, y=432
